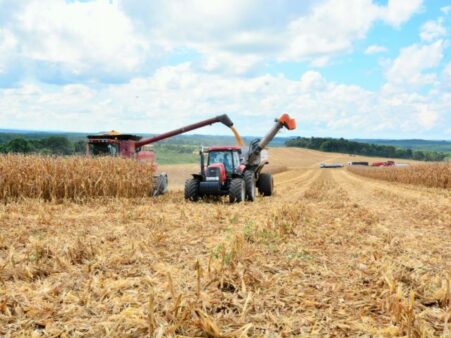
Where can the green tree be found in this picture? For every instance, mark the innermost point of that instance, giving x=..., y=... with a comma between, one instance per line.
x=18, y=145
x=58, y=145
x=350, y=147
x=80, y=147
x=418, y=155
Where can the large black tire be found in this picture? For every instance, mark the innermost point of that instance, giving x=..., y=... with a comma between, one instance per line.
x=192, y=190
x=265, y=184
x=249, y=181
x=237, y=191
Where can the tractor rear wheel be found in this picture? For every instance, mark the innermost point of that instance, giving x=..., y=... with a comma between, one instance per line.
x=192, y=190
x=265, y=184
x=249, y=181
x=237, y=191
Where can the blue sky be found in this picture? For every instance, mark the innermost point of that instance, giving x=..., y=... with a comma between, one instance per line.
x=342, y=68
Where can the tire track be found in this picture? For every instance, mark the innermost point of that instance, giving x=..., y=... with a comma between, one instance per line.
x=408, y=203
x=293, y=189
x=415, y=224
x=441, y=196
x=292, y=176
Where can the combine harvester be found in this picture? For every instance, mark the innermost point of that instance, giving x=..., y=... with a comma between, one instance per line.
x=134, y=147
x=236, y=170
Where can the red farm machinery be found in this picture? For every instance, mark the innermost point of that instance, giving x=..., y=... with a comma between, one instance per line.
x=383, y=164
x=136, y=147
x=236, y=171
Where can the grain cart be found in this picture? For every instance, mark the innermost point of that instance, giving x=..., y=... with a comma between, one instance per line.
x=236, y=171
x=131, y=146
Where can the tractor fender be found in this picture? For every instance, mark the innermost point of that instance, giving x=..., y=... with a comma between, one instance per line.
x=197, y=176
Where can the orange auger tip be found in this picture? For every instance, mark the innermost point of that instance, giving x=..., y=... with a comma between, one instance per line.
x=288, y=122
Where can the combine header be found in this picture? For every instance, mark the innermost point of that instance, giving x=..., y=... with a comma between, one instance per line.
x=130, y=146
x=236, y=171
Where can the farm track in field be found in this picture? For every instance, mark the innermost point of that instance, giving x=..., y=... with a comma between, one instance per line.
x=330, y=254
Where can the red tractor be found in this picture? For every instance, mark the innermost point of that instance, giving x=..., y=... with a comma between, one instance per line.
x=235, y=171
x=134, y=147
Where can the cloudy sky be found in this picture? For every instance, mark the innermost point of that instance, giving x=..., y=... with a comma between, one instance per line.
x=351, y=68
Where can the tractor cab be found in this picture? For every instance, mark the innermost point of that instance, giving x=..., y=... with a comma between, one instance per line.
x=226, y=158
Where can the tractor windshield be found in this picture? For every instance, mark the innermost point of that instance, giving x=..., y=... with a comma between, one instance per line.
x=230, y=159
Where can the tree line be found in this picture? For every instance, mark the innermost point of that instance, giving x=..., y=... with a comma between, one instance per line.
x=53, y=145
x=342, y=145
x=61, y=145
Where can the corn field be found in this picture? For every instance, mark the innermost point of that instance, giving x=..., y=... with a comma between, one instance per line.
x=75, y=178
x=437, y=175
x=330, y=254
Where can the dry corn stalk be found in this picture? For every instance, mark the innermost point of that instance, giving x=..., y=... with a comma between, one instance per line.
x=74, y=178
x=436, y=175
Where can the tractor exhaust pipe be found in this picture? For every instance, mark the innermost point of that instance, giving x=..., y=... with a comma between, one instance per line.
x=202, y=163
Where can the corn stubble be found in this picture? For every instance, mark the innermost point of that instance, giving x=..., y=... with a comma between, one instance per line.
x=313, y=260
x=72, y=178
x=437, y=175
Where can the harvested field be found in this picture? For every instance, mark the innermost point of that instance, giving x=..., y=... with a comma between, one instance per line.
x=75, y=178
x=437, y=175
x=331, y=254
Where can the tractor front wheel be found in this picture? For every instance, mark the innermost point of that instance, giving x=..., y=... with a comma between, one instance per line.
x=237, y=191
x=192, y=190
x=249, y=181
x=265, y=184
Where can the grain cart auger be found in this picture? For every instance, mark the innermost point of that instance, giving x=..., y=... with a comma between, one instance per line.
x=135, y=147
x=236, y=171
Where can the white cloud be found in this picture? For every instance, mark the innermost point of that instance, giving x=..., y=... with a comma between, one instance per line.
x=445, y=10
x=91, y=45
x=8, y=45
x=432, y=30
x=183, y=95
x=375, y=49
x=79, y=38
x=408, y=68
x=399, y=11
x=320, y=62
x=328, y=30
x=102, y=40
x=427, y=118
x=446, y=76
x=311, y=81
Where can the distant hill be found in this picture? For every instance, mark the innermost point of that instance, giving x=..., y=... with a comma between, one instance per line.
x=7, y=135
x=414, y=144
x=10, y=134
